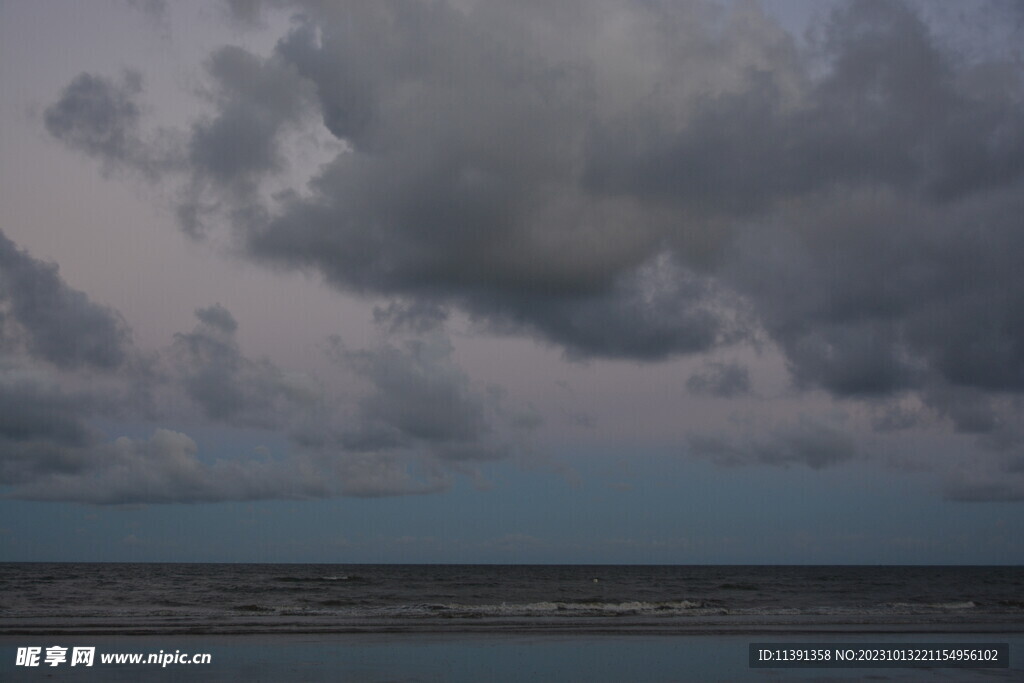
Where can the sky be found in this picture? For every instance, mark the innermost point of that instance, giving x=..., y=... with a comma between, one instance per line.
x=631, y=281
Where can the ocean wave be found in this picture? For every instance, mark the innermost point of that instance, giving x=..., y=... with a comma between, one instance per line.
x=254, y=608
x=317, y=579
x=943, y=606
x=560, y=608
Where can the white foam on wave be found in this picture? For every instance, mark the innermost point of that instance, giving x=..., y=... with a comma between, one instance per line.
x=566, y=608
x=964, y=604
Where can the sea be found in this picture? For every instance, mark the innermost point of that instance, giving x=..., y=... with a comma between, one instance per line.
x=411, y=622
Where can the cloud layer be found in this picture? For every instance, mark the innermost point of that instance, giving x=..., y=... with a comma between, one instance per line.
x=621, y=180
x=66, y=362
x=40, y=314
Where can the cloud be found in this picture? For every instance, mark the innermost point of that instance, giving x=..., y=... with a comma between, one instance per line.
x=975, y=480
x=218, y=319
x=166, y=469
x=246, y=11
x=551, y=171
x=67, y=362
x=228, y=154
x=724, y=380
x=461, y=183
x=155, y=13
x=373, y=476
x=49, y=451
x=231, y=388
x=518, y=186
x=806, y=442
x=52, y=321
x=254, y=98
x=419, y=398
x=42, y=429
x=415, y=422
x=98, y=116
x=418, y=316
x=31, y=411
x=620, y=180
x=101, y=118
x=996, y=489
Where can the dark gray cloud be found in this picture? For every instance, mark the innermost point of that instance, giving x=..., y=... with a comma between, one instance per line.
x=64, y=360
x=29, y=411
x=420, y=399
x=585, y=192
x=50, y=448
x=254, y=97
x=228, y=154
x=893, y=416
x=230, y=387
x=417, y=316
x=896, y=297
x=636, y=180
x=101, y=117
x=724, y=380
x=416, y=423
x=461, y=185
x=538, y=204
x=246, y=11
x=217, y=318
x=991, y=479
x=899, y=275
x=417, y=400
x=42, y=429
x=165, y=469
x=52, y=321
x=49, y=451
x=970, y=410
x=806, y=442
x=996, y=490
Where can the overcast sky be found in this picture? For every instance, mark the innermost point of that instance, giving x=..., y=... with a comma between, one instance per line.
x=458, y=280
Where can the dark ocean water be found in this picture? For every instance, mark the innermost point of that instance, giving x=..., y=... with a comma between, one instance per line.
x=70, y=598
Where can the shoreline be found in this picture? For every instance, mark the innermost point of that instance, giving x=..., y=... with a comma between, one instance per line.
x=550, y=626
x=525, y=631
